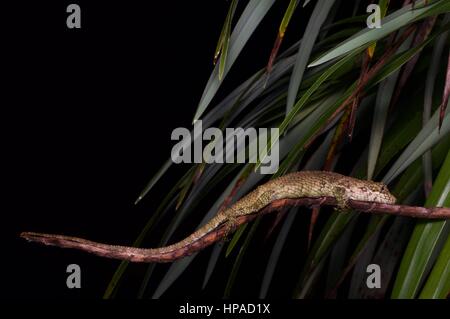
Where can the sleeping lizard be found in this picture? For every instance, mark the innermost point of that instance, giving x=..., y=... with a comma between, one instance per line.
x=291, y=186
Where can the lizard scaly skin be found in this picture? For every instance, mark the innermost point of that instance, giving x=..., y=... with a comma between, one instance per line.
x=294, y=185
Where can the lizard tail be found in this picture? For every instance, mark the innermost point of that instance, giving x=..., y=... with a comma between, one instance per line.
x=195, y=242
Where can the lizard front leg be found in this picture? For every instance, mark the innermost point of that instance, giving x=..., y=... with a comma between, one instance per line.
x=342, y=198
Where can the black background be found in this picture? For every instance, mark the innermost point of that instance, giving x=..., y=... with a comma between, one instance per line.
x=89, y=113
x=86, y=121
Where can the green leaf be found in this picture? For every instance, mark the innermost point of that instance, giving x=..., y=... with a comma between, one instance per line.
x=305, y=97
x=212, y=263
x=401, y=134
x=287, y=16
x=332, y=230
x=239, y=258
x=235, y=239
x=383, y=101
x=276, y=252
x=316, y=20
x=339, y=254
x=341, y=64
x=226, y=38
x=316, y=121
x=432, y=73
x=363, y=256
x=246, y=25
x=400, y=59
x=438, y=284
x=280, y=36
x=424, y=240
x=302, y=290
x=383, y=10
x=388, y=255
x=390, y=23
x=426, y=138
x=154, y=179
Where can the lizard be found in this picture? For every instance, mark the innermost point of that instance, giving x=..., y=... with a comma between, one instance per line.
x=295, y=185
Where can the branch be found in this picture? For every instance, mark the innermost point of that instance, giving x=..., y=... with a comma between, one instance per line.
x=220, y=232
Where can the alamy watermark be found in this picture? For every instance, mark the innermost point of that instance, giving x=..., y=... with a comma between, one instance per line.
x=374, y=278
x=73, y=20
x=228, y=148
x=74, y=278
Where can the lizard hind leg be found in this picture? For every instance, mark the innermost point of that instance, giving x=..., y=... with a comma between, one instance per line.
x=231, y=225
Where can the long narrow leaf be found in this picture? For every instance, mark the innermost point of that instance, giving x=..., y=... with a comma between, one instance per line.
x=226, y=38
x=390, y=23
x=445, y=95
x=382, y=104
x=438, y=284
x=305, y=97
x=280, y=35
x=427, y=137
x=424, y=240
x=316, y=20
x=248, y=22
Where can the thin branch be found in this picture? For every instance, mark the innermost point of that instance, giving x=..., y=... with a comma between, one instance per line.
x=130, y=254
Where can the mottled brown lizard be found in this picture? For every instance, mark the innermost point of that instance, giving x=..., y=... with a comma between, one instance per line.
x=311, y=184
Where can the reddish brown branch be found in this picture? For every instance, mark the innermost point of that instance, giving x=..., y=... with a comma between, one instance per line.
x=141, y=255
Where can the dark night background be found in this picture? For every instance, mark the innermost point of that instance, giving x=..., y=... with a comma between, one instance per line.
x=86, y=122
x=89, y=115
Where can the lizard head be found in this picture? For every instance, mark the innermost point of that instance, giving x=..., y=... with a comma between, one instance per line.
x=385, y=194
x=372, y=192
